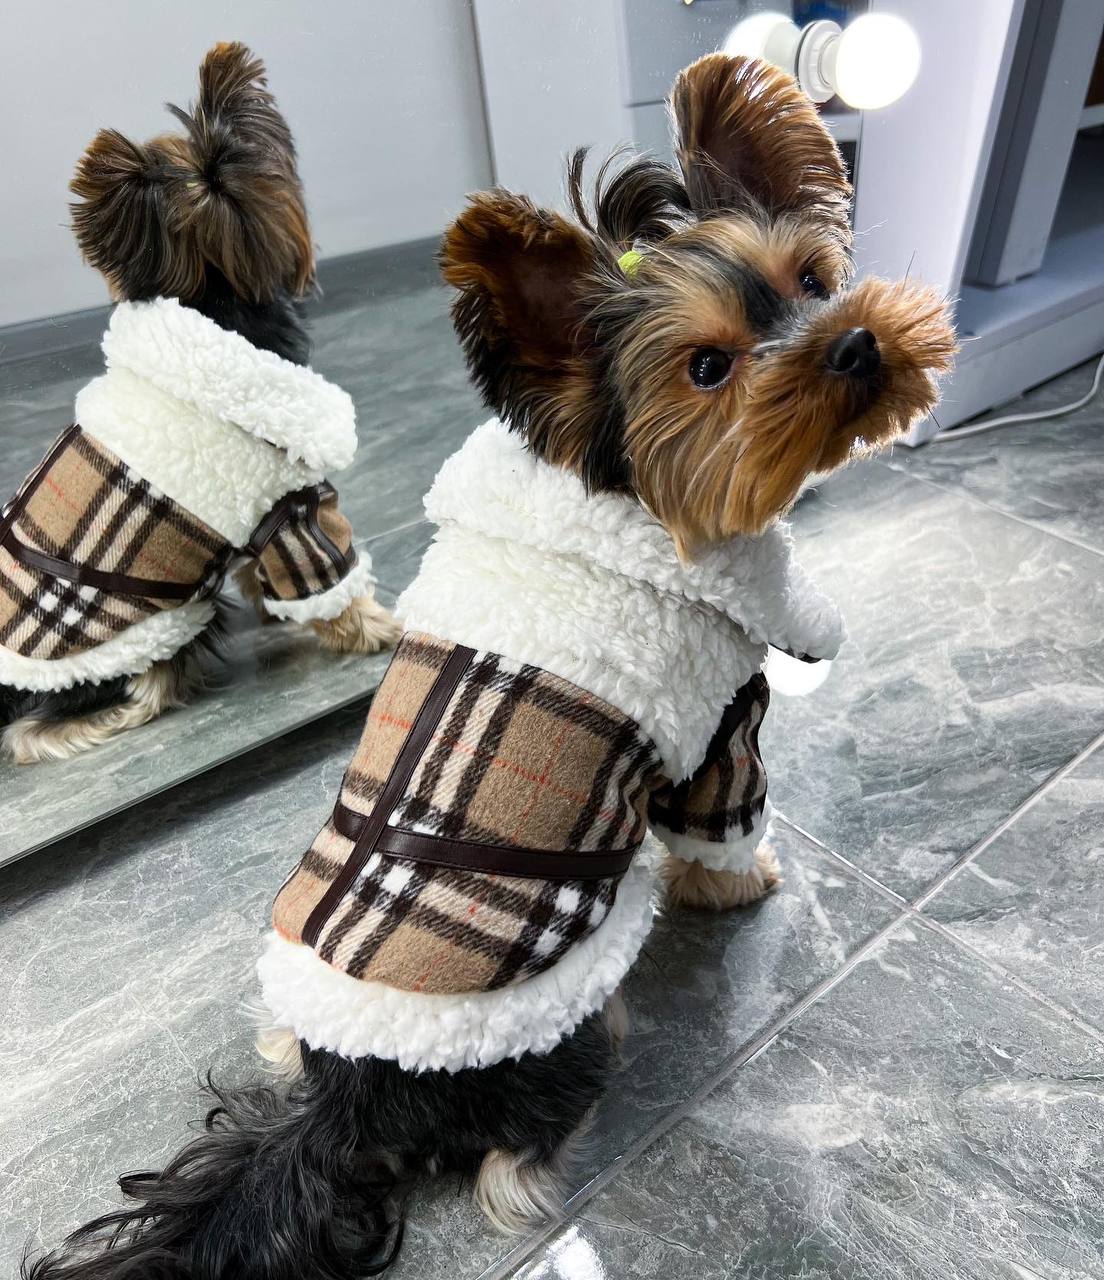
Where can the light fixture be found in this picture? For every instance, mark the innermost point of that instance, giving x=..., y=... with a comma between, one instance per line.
x=870, y=63
x=793, y=678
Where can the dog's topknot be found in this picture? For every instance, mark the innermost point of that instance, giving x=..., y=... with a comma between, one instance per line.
x=155, y=217
x=636, y=198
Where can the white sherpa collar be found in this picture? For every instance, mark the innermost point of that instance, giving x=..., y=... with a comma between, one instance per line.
x=496, y=486
x=226, y=377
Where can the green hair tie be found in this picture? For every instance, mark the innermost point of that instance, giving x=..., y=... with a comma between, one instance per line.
x=630, y=261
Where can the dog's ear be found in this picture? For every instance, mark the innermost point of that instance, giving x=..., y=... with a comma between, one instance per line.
x=129, y=221
x=526, y=281
x=244, y=201
x=747, y=137
x=521, y=272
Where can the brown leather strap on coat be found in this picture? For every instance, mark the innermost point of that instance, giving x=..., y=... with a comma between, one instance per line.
x=120, y=584
x=284, y=512
x=503, y=860
x=425, y=724
x=343, y=560
x=489, y=859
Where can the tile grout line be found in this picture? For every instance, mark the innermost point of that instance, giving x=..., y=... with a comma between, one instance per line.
x=747, y=1053
x=975, y=501
x=744, y=1055
x=525, y=1248
x=915, y=912
x=1053, y=1006
x=948, y=935
x=872, y=882
x=946, y=932
x=1044, y=788
x=732, y=1063
x=906, y=911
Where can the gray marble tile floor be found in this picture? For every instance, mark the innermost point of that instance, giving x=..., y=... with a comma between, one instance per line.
x=892, y=1068
x=923, y=1118
x=1044, y=473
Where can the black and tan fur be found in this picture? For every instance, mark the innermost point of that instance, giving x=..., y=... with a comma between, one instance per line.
x=746, y=254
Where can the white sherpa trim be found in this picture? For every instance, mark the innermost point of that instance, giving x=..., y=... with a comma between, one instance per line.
x=331, y=602
x=129, y=653
x=224, y=376
x=590, y=588
x=671, y=665
x=229, y=479
x=736, y=854
x=330, y=1010
x=496, y=486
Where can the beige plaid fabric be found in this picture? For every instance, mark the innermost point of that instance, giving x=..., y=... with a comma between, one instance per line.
x=726, y=794
x=520, y=759
x=310, y=551
x=85, y=507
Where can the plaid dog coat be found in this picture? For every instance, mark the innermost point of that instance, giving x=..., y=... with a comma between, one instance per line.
x=193, y=449
x=487, y=816
x=568, y=703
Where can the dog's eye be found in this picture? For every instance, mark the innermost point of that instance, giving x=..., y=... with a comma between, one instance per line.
x=709, y=367
x=813, y=285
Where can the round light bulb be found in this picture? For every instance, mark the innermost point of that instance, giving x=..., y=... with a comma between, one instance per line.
x=875, y=62
x=793, y=678
x=772, y=36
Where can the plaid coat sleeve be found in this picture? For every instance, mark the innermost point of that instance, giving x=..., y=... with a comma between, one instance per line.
x=717, y=816
x=306, y=562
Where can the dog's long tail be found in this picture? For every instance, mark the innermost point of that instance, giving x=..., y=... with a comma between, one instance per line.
x=279, y=1186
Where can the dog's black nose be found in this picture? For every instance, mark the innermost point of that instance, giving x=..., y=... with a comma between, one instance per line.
x=854, y=353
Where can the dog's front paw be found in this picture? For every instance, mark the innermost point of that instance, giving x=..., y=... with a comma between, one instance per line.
x=364, y=626
x=689, y=884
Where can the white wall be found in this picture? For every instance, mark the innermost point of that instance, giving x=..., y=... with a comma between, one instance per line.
x=560, y=74
x=383, y=98
x=922, y=161
x=563, y=92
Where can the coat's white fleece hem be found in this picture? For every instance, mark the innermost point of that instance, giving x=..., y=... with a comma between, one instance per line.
x=226, y=377
x=495, y=485
x=129, y=653
x=328, y=604
x=736, y=854
x=331, y=1010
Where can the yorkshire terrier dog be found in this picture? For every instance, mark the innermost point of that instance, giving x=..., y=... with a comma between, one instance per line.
x=206, y=443
x=558, y=729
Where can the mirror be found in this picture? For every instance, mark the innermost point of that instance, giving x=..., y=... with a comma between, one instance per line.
x=396, y=113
